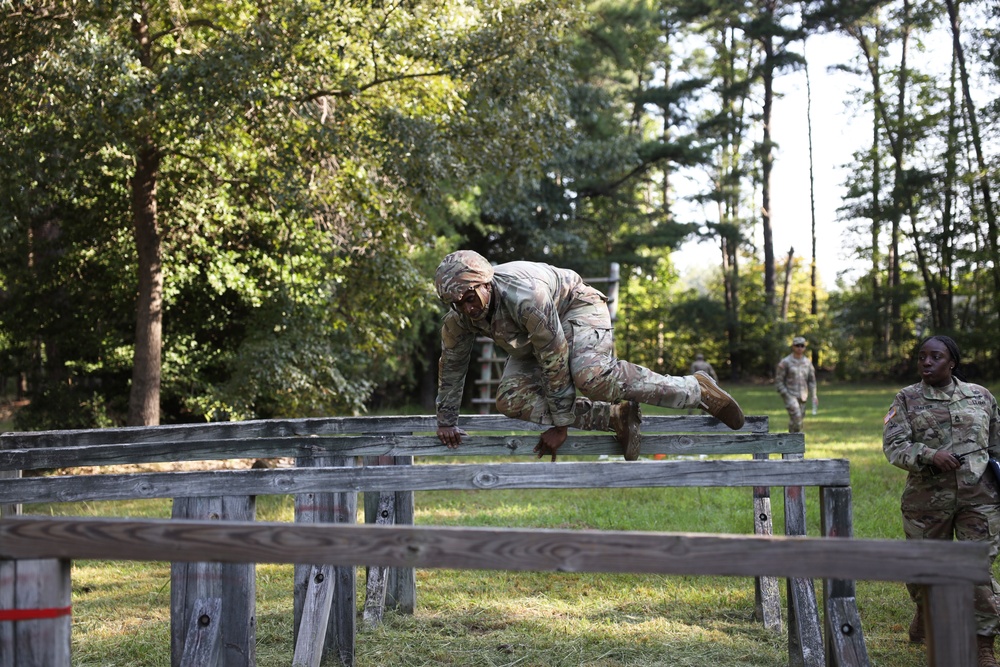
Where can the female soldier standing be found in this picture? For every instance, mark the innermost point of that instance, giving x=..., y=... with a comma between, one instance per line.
x=943, y=430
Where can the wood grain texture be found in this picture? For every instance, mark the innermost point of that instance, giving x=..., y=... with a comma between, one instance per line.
x=538, y=475
x=319, y=426
x=42, y=455
x=918, y=561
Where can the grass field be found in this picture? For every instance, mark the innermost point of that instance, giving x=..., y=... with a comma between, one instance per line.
x=121, y=610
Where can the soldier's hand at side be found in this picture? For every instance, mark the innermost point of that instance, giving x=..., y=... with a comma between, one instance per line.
x=450, y=436
x=946, y=461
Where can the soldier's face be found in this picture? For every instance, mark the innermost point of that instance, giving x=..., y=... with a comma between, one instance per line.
x=474, y=303
x=935, y=363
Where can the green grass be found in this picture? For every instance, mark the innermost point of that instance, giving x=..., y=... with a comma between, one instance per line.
x=121, y=610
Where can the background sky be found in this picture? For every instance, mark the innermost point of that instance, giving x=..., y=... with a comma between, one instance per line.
x=839, y=129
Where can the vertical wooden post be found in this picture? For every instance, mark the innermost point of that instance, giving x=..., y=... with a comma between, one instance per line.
x=376, y=582
x=767, y=595
x=234, y=583
x=845, y=641
x=329, y=508
x=486, y=378
x=951, y=635
x=401, y=594
x=8, y=509
x=805, y=637
x=614, y=280
x=37, y=594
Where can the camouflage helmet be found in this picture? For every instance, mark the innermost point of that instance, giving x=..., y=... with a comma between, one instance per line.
x=459, y=272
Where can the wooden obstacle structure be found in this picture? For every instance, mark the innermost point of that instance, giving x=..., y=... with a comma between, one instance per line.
x=206, y=621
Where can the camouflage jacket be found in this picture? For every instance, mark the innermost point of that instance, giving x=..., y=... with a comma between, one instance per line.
x=525, y=316
x=923, y=419
x=795, y=377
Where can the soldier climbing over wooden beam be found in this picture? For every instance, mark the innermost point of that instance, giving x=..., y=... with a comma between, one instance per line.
x=562, y=369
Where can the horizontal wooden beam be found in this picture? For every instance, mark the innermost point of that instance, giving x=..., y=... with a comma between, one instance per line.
x=286, y=428
x=918, y=561
x=36, y=458
x=539, y=475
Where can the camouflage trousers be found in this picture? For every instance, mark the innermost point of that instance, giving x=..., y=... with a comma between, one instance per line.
x=601, y=379
x=796, y=413
x=932, y=510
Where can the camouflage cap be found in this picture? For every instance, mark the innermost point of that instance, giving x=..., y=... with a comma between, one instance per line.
x=459, y=272
x=798, y=340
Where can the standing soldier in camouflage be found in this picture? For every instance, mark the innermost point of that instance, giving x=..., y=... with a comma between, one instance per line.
x=795, y=380
x=561, y=370
x=943, y=430
x=699, y=364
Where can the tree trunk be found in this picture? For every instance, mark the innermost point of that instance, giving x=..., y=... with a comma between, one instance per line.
x=766, y=160
x=144, y=398
x=984, y=180
x=787, y=296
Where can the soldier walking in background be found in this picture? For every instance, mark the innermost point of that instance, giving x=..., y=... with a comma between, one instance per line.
x=795, y=380
x=699, y=364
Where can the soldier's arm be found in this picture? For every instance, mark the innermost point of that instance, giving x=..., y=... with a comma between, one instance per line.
x=897, y=440
x=456, y=352
x=779, y=378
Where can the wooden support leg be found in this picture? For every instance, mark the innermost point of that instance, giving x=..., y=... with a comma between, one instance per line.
x=312, y=630
x=951, y=625
x=805, y=636
x=203, y=640
x=233, y=583
x=401, y=592
x=767, y=593
x=40, y=590
x=845, y=642
x=375, y=589
x=329, y=508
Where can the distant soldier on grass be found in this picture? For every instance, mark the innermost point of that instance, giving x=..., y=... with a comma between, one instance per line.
x=795, y=380
x=561, y=369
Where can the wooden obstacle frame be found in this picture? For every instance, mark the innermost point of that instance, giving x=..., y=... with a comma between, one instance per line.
x=212, y=603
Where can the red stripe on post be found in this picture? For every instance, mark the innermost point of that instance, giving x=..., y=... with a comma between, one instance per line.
x=34, y=614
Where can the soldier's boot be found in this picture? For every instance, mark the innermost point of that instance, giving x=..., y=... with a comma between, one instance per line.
x=625, y=419
x=918, y=631
x=985, y=646
x=718, y=403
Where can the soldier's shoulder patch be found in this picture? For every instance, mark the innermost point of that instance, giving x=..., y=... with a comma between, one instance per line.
x=889, y=415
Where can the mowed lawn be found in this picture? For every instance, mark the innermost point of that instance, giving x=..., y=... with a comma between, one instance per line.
x=121, y=610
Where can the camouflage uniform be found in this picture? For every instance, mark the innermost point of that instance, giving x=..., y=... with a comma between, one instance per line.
x=963, y=502
x=795, y=379
x=699, y=364
x=557, y=332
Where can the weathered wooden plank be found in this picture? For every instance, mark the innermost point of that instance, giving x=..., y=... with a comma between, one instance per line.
x=204, y=634
x=375, y=586
x=317, y=426
x=537, y=475
x=579, y=444
x=917, y=561
x=310, y=632
x=846, y=645
x=951, y=624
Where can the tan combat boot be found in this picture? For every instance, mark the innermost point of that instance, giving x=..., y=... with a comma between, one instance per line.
x=985, y=646
x=718, y=403
x=625, y=420
x=918, y=630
